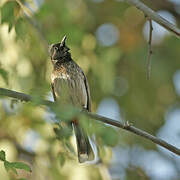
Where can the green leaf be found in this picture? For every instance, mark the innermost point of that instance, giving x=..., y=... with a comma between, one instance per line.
x=2, y=155
x=8, y=166
x=110, y=136
x=4, y=75
x=21, y=165
x=63, y=132
x=65, y=112
x=8, y=13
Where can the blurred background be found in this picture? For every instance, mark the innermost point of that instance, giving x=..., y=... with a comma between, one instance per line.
x=108, y=39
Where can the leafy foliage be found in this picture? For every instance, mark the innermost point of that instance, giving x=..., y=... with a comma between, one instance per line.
x=8, y=166
x=9, y=13
x=20, y=165
x=13, y=166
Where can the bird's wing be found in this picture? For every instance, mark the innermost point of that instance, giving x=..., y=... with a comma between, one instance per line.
x=88, y=93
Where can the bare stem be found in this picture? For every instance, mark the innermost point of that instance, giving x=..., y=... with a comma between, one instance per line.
x=127, y=126
x=149, y=50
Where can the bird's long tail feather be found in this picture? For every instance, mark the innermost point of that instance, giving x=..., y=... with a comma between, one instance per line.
x=84, y=149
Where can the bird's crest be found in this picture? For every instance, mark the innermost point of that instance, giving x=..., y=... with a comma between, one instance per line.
x=63, y=41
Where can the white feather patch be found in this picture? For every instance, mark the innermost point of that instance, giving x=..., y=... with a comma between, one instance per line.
x=61, y=75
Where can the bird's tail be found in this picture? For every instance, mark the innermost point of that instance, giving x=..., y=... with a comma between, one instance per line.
x=84, y=149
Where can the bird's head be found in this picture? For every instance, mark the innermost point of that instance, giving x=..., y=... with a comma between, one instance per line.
x=59, y=52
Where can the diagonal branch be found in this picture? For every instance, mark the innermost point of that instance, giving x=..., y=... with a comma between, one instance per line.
x=154, y=16
x=136, y=131
x=127, y=126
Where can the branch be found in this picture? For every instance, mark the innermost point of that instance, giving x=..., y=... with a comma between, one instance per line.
x=150, y=50
x=154, y=16
x=127, y=126
x=165, y=5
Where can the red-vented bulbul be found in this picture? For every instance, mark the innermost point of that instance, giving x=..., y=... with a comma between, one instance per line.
x=70, y=86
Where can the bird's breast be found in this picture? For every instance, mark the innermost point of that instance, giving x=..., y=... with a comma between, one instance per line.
x=59, y=75
x=70, y=88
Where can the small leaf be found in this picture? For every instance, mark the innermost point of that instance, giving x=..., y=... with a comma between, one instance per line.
x=8, y=166
x=4, y=75
x=110, y=138
x=65, y=112
x=21, y=165
x=7, y=13
x=2, y=155
x=108, y=135
x=62, y=133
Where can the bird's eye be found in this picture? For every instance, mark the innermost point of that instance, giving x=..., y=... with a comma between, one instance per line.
x=56, y=48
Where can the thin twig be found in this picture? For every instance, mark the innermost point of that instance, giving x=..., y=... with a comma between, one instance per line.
x=127, y=126
x=149, y=50
x=154, y=16
x=25, y=8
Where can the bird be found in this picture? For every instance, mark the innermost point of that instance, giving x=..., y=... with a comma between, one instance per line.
x=70, y=86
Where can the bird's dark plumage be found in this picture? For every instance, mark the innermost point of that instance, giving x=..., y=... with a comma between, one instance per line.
x=70, y=86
